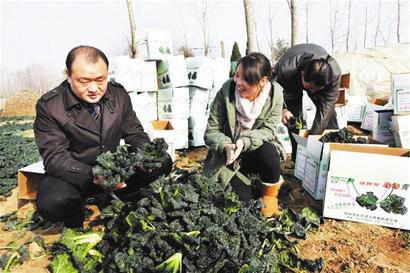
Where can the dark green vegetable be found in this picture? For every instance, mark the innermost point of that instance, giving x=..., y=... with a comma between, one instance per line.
x=368, y=200
x=341, y=136
x=16, y=151
x=192, y=225
x=119, y=166
x=394, y=204
x=115, y=167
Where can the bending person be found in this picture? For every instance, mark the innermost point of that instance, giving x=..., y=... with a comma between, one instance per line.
x=309, y=67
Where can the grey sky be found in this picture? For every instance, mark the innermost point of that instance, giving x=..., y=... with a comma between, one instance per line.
x=42, y=32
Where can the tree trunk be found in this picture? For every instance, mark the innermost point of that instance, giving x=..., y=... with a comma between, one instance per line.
x=250, y=28
x=133, y=45
x=270, y=40
x=365, y=26
x=293, y=22
x=307, y=20
x=222, y=49
x=332, y=26
x=398, y=21
x=348, y=25
x=378, y=24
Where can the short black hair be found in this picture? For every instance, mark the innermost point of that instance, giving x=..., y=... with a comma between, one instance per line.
x=318, y=71
x=91, y=55
x=255, y=66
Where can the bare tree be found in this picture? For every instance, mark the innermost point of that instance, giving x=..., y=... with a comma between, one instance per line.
x=256, y=29
x=133, y=45
x=183, y=46
x=270, y=39
x=378, y=23
x=365, y=26
x=307, y=20
x=204, y=20
x=293, y=21
x=398, y=20
x=348, y=25
x=250, y=27
x=222, y=49
x=333, y=20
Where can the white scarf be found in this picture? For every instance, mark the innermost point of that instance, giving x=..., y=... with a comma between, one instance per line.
x=249, y=111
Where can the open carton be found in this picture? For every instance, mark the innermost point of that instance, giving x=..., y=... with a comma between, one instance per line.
x=360, y=171
x=164, y=129
x=312, y=162
x=29, y=179
x=401, y=130
x=401, y=93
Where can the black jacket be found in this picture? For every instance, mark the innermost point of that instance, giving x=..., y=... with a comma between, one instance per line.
x=288, y=70
x=69, y=139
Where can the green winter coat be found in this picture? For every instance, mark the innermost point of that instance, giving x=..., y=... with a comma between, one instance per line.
x=223, y=129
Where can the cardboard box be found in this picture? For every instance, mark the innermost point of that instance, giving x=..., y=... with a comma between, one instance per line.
x=29, y=179
x=134, y=74
x=164, y=129
x=180, y=133
x=401, y=93
x=355, y=108
x=153, y=44
x=173, y=103
x=344, y=86
x=367, y=122
x=312, y=162
x=342, y=96
x=197, y=127
x=144, y=105
x=198, y=101
x=172, y=72
x=401, y=130
x=341, y=116
x=200, y=71
x=301, y=153
x=353, y=174
x=345, y=80
x=381, y=126
x=222, y=67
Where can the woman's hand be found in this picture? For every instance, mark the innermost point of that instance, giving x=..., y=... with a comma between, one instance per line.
x=233, y=151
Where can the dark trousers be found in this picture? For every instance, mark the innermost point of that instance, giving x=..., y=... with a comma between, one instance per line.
x=58, y=200
x=295, y=107
x=264, y=161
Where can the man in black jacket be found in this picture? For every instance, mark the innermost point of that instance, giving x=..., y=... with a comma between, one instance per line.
x=309, y=67
x=81, y=118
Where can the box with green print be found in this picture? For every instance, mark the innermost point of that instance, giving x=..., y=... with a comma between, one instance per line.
x=369, y=188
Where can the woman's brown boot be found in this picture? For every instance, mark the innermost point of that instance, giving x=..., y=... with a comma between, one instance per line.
x=270, y=198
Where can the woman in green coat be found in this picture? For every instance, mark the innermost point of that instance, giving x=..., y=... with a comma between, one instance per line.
x=241, y=132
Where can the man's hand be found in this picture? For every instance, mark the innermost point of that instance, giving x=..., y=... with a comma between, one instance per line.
x=142, y=168
x=99, y=180
x=286, y=115
x=233, y=151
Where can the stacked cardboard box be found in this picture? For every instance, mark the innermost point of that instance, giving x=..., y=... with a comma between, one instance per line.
x=206, y=76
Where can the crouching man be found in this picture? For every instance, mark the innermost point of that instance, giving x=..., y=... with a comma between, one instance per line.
x=81, y=118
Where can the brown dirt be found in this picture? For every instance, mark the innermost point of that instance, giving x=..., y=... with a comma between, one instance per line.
x=345, y=246
x=21, y=104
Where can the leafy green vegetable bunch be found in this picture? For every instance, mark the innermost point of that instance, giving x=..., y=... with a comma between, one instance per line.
x=188, y=224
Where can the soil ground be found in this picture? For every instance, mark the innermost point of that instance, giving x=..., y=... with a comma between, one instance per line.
x=345, y=246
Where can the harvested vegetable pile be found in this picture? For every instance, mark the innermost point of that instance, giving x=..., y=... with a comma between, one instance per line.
x=16, y=152
x=119, y=166
x=342, y=136
x=187, y=224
